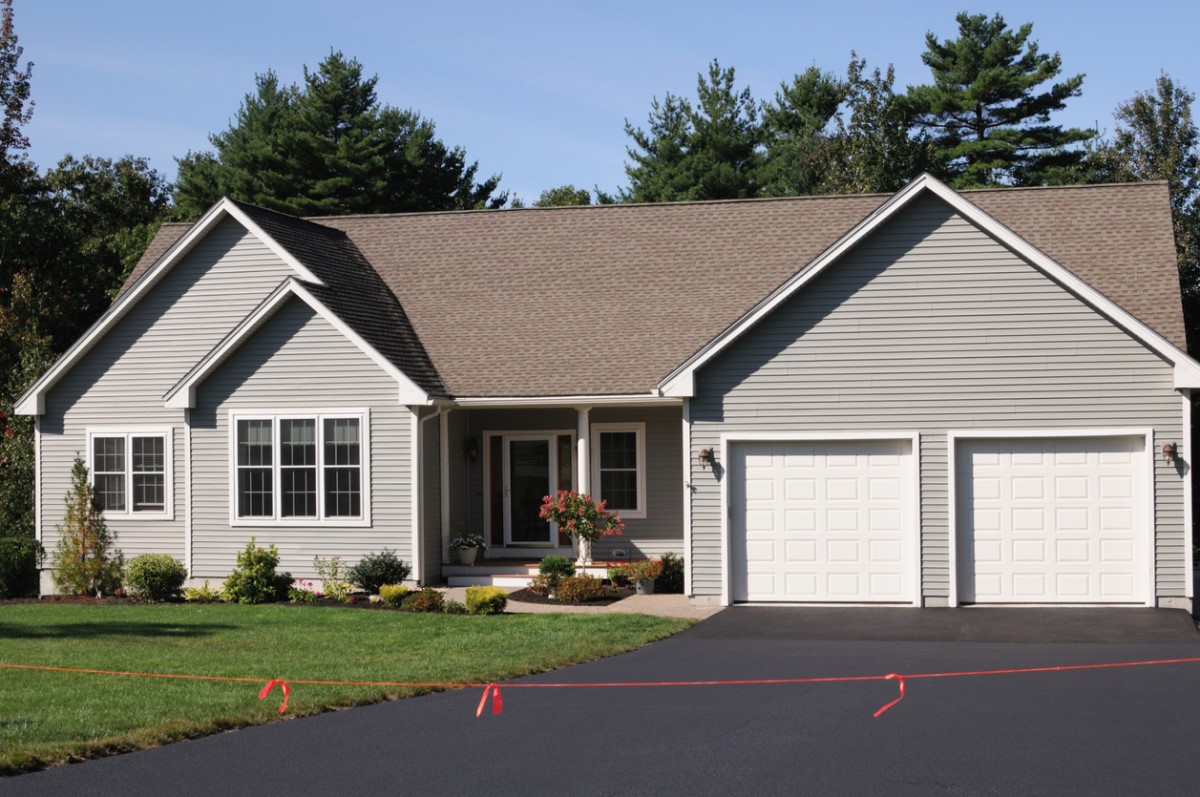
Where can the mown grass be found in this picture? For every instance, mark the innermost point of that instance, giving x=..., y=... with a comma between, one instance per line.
x=49, y=718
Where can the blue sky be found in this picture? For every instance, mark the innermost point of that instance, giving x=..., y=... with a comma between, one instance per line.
x=538, y=91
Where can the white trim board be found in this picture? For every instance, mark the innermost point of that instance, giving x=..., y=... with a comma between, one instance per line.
x=729, y=439
x=33, y=402
x=681, y=381
x=955, y=435
x=183, y=394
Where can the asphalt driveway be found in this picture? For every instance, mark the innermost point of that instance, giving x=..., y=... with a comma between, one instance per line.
x=1120, y=731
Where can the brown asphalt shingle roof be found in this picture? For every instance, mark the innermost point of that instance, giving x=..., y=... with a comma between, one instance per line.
x=610, y=299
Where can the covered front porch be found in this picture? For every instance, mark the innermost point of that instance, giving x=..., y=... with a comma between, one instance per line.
x=488, y=465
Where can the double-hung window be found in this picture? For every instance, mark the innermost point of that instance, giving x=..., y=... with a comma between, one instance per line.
x=300, y=467
x=619, y=467
x=129, y=471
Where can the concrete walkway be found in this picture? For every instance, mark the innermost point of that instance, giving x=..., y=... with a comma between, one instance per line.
x=659, y=605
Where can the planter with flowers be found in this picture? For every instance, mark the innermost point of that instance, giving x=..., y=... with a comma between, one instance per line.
x=640, y=572
x=467, y=547
x=584, y=519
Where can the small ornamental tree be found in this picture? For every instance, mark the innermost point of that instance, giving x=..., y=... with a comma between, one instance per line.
x=86, y=562
x=582, y=518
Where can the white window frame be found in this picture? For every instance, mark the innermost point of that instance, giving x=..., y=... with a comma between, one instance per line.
x=167, y=435
x=320, y=416
x=639, y=430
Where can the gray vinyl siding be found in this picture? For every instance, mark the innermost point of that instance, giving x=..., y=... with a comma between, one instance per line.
x=930, y=325
x=121, y=381
x=296, y=363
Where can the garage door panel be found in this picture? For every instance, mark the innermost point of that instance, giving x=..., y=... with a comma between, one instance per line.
x=1052, y=520
x=841, y=521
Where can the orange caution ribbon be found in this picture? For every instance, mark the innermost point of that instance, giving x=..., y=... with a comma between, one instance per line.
x=287, y=690
x=899, y=678
x=492, y=689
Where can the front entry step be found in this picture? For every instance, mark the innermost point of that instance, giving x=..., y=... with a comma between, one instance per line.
x=505, y=575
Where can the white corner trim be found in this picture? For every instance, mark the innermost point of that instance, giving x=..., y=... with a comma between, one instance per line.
x=418, y=487
x=33, y=402
x=913, y=542
x=37, y=478
x=687, y=498
x=954, y=436
x=680, y=382
x=444, y=477
x=187, y=491
x=183, y=394
x=1185, y=444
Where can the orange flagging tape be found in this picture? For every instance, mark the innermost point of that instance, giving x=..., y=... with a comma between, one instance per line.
x=493, y=689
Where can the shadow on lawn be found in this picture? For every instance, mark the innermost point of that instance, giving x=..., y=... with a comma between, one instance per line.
x=112, y=629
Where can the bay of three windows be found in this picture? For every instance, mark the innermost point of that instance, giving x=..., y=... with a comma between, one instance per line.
x=299, y=467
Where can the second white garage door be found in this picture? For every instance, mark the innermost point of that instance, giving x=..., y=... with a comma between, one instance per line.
x=826, y=521
x=1052, y=520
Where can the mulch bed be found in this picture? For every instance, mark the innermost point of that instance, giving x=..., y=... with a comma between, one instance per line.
x=529, y=596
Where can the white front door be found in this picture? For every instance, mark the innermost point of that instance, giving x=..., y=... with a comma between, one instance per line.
x=823, y=521
x=1052, y=520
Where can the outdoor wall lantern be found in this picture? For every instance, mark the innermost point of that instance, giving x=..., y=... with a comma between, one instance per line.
x=706, y=457
x=1169, y=452
x=471, y=447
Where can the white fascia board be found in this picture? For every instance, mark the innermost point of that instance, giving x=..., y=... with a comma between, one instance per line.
x=1187, y=370
x=183, y=395
x=635, y=399
x=33, y=402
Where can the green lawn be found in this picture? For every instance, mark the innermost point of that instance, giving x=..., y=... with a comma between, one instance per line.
x=48, y=718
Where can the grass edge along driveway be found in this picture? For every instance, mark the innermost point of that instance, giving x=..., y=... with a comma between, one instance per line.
x=50, y=718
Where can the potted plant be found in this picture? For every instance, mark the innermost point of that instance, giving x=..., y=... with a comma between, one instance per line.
x=641, y=572
x=582, y=518
x=467, y=547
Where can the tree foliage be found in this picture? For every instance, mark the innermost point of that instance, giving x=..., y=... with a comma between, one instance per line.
x=563, y=196
x=988, y=109
x=16, y=108
x=709, y=150
x=329, y=147
x=799, y=151
x=86, y=561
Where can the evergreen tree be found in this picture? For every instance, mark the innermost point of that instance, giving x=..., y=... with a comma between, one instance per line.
x=705, y=151
x=799, y=150
x=16, y=108
x=86, y=561
x=875, y=148
x=330, y=147
x=987, y=111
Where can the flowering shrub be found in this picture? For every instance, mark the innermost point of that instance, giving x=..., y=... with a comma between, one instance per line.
x=303, y=592
x=465, y=541
x=579, y=516
x=637, y=570
x=332, y=580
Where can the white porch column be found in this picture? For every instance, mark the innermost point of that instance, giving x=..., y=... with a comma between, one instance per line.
x=583, y=465
x=582, y=480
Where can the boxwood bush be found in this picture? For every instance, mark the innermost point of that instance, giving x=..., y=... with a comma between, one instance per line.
x=376, y=569
x=155, y=577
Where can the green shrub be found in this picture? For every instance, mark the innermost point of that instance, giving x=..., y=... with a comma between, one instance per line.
x=577, y=589
x=376, y=569
x=426, y=599
x=453, y=607
x=618, y=576
x=393, y=594
x=20, y=558
x=86, y=561
x=333, y=585
x=254, y=580
x=486, y=600
x=556, y=567
x=155, y=577
x=543, y=584
x=205, y=594
x=671, y=580
x=297, y=594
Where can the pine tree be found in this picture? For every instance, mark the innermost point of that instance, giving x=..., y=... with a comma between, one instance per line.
x=705, y=151
x=330, y=147
x=16, y=109
x=987, y=112
x=799, y=150
x=86, y=561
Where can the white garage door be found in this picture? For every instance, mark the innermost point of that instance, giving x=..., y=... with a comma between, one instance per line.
x=1052, y=520
x=823, y=521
